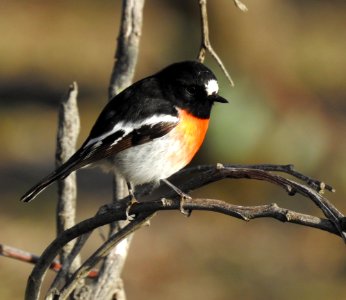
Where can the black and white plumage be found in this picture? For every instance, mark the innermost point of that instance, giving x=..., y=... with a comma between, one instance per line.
x=141, y=131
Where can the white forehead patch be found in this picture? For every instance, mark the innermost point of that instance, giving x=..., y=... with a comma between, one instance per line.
x=212, y=87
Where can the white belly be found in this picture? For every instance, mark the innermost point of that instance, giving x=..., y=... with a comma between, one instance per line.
x=163, y=156
x=149, y=162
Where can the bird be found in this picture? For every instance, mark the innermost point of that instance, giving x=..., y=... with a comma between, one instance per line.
x=150, y=130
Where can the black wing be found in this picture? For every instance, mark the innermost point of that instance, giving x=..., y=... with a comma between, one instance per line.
x=100, y=150
x=131, y=108
x=135, y=104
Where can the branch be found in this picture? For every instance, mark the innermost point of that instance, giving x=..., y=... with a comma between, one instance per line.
x=202, y=175
x=205, y=43
x=208, y=174
x=68, y=130
x=128, y=46
x=107, y=284
x=25, y=256
x=104, y=251
x=61, y=277
x=122, y=74
x=117, y=212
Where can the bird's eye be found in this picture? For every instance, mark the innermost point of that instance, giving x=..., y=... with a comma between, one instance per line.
x=191, y=89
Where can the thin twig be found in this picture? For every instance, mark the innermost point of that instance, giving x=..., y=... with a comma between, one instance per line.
x=209, y=174
x=313, y=191
x=205, y=43
x=315, y=184
x=25, y=256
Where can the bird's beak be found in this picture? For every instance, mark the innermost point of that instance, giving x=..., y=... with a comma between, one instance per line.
x=217, y=98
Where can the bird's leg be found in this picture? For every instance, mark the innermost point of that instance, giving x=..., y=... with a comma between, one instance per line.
x=183, y=196
x=131, y=193
x=133, y=200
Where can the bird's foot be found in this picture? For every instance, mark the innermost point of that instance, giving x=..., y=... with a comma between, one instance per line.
x=186, y=212
x=129, y=205
x=184, y=197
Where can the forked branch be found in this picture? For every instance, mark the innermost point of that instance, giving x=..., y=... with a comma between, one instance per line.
x=205, y=43
x=167, y=200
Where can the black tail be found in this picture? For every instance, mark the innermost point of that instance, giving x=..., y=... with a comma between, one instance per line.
x=60, y=173
x=38, y=188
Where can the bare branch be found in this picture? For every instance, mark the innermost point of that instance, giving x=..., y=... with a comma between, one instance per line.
x=61, y=277
x=208, y=174
x=202, y=176
x=128, y=46
x=116, y=211
x=205, y=43
x=25, y=256
x=315, y=184
x=103, y=251
x=121, y=77
x=68, y=130
x=112, y=269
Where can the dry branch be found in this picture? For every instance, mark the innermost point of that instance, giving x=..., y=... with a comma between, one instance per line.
x=61, y=277
x=103, y=252
x=128, y=46
x=107, y=284
x=205, y=43
x=117, y=212
x=202, y=175
x=68, y=130
x=25, y=256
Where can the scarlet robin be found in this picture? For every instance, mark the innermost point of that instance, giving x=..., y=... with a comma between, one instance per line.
x=150, y=130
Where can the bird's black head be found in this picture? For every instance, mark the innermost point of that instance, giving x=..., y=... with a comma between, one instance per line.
x=192, y=86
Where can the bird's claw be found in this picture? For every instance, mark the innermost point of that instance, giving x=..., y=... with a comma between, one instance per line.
x=129, y=206
x=186, y=212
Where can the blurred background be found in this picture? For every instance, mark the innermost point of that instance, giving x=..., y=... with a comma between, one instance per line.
x=288, y=61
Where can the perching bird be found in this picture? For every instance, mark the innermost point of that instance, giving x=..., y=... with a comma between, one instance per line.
x=150, y=130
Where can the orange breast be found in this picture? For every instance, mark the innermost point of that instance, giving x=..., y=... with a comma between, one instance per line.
x=190, y=132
